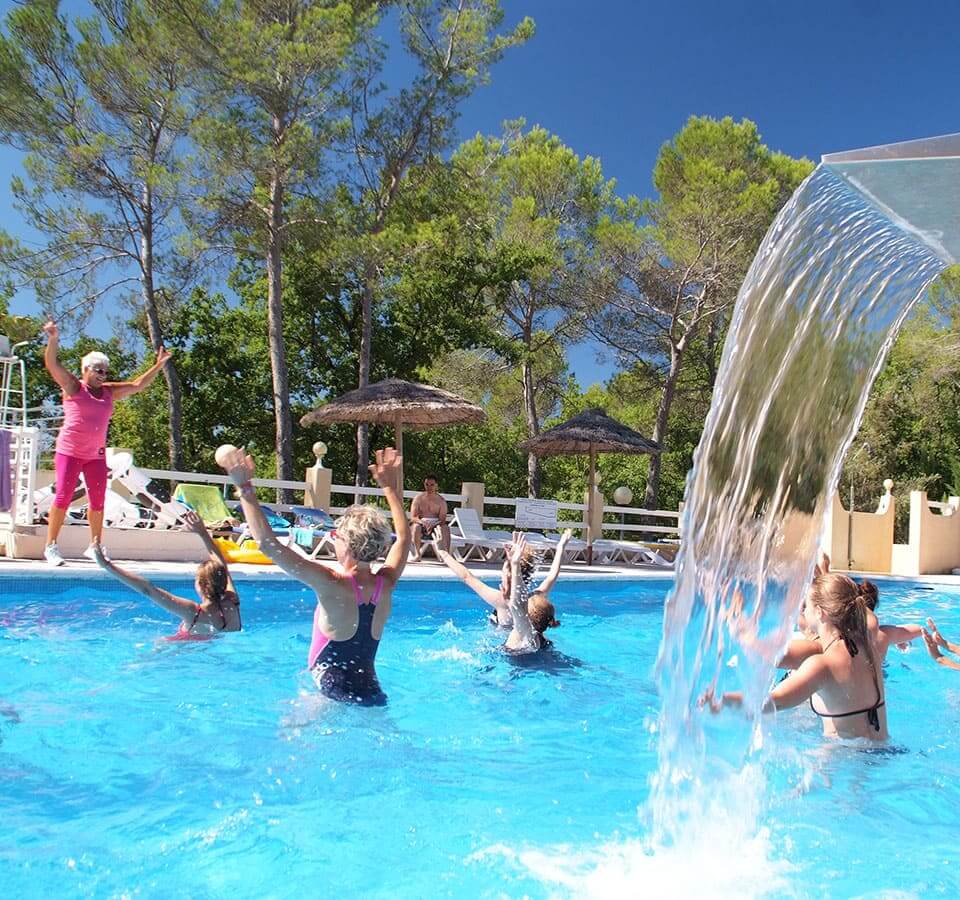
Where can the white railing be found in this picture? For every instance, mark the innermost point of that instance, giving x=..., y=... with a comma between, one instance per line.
x=570, y=515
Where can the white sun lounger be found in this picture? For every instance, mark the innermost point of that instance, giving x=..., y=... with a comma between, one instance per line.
x=469, y=540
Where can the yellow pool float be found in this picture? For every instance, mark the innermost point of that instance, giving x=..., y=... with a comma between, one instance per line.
x=248, y=552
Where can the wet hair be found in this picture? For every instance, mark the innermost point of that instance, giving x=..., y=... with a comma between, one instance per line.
x=871, y=596
x=431, y=478
x=212, y=579
x=366, y=532
x=541, y=613
x=844, y=604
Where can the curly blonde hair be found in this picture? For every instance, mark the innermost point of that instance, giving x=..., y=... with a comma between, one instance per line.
x=366, y=532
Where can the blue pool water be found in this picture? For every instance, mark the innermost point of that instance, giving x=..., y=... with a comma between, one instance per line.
x=140, y=767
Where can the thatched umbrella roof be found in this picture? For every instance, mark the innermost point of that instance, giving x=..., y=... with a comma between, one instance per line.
x=418, y=406
x=591, y=431
x=399, y=403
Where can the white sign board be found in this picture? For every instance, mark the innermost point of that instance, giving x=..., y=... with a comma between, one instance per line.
x=539, y=515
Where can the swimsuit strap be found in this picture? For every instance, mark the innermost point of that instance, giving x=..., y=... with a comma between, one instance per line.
x=871, y=711
x=374, y=597
x=196, y=616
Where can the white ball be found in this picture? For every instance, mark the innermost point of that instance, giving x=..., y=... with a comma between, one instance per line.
x=622, y=495
x=221, y=455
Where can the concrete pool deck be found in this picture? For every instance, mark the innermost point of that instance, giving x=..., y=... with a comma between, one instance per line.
x=427, y=570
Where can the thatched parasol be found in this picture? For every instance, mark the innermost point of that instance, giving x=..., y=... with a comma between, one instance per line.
x=590, y=432
x=399, y=403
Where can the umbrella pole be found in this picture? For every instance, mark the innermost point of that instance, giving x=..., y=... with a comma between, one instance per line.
x=590, y=493
x=398, y=438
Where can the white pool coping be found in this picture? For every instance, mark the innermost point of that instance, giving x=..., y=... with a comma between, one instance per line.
x=425, y=571
x=428, y=570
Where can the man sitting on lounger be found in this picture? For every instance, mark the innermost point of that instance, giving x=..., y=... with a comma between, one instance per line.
x=428, y=513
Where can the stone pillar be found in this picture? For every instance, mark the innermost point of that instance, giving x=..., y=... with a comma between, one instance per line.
x=319, y=480
x=472, y=495
x=593, y=530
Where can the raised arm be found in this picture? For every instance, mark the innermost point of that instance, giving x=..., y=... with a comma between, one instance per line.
x=899, y=634
x=193, y=522
x=792, y=691
x=483, y=591
x=547, y=584
x=176, y=605
x=797, y=651
x=386, y=471
x=68, y=382
x=939, y=639
x=523, y=636
x=933, y=648
x=121, y=389
x=239, y=466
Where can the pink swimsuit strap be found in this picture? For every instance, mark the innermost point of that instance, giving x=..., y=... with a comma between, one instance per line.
x=318, y=640
x=374, y=597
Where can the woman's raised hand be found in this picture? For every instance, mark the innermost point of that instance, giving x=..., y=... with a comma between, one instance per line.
x=51, y=330
x=517, y=547
x=935, y=634
x=386, y=470
x=193, y=522
x=238, y=464
x=163, y=354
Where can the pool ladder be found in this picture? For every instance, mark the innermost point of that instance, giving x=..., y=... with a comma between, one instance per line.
x=24, y=441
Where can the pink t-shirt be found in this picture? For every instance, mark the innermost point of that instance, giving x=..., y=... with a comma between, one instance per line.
x=85, y=421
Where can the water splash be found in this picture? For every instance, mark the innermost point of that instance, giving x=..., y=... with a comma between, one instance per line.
x=821, y=304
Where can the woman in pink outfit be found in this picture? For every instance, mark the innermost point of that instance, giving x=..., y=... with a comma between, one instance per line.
x=81, y=444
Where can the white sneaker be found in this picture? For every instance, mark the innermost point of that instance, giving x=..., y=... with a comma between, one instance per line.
x=51, y=553
x=89, y=554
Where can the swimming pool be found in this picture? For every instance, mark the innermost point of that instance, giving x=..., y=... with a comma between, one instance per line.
x=480, y=778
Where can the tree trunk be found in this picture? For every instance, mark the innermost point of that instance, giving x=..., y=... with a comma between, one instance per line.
x=363, y=374
x=278, y=356
x=533, y=427
x=652, y=493
x=155, y=334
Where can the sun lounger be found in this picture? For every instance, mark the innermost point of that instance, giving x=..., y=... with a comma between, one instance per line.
x=631, y=553
x=312, y=529
x=207, y=501
x=469, y=540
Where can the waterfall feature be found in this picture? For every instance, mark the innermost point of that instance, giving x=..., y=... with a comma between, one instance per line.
x=835, y=277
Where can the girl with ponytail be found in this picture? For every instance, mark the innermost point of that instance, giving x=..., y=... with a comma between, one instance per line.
x=220, y=606
x=844, y=682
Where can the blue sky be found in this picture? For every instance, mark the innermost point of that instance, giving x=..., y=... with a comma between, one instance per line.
x=616, y=78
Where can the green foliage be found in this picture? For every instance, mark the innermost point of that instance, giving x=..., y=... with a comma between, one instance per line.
x=911, y=427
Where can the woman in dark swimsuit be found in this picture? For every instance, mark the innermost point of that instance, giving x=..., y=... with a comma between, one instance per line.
x=220, y=609
x=353, y=602
x=843, y=682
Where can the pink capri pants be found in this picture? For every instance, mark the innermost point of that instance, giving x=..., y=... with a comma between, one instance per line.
x=68, y=469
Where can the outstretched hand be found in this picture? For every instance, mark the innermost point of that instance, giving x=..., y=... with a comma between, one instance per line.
x=238, y=464
x=193, y=522
x=710, y=699
x=567, y=534
x=386, y=470
x=823, y=566
x=162, y=356
x=98, y=555
x=517, y=547
x=932, y=648
x=935, y=634
x=51, y=330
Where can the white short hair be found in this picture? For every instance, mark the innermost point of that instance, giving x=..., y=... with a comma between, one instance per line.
x=94, y=358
